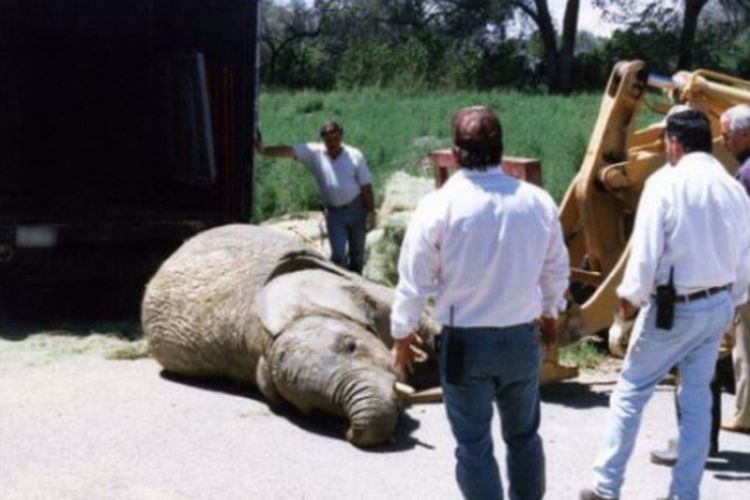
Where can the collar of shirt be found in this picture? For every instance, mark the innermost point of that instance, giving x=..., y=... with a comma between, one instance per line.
x=471, y=173
x=325, y=151
x=698, y=158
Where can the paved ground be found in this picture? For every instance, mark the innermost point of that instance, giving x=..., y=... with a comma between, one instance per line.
x=74, y=424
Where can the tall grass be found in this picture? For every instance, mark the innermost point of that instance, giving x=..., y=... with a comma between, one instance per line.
x=395, y=130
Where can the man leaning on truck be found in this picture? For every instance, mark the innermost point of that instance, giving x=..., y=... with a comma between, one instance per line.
x=345, y=185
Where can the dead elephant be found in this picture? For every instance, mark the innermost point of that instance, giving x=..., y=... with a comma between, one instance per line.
x=249, y=303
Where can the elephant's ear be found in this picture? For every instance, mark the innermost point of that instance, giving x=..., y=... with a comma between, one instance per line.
x=310, y=292
x=299, y=260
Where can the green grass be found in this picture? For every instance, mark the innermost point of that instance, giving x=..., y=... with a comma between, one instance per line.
x=585, y=353
x=126, y=330
x=137, y=350
x=397, y=129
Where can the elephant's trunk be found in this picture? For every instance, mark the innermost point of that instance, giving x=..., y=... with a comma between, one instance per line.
x=371, y=405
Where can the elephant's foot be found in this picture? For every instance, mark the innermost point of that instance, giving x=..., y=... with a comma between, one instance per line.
x=265, y=382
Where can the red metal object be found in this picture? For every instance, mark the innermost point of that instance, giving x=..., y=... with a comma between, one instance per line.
x=527, y=169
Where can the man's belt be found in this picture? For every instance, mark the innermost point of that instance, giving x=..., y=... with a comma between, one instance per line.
x=701, y=294
x=341, y=207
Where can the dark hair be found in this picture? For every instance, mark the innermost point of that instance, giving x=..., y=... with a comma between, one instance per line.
x=477, y=138
x=330, y=124
x=691, y=129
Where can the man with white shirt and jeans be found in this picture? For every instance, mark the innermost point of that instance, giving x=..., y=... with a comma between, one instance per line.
x=489, y=249
x=345, y=185
x=694, y=222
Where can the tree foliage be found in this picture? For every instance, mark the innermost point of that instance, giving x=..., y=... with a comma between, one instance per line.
x=417, y=44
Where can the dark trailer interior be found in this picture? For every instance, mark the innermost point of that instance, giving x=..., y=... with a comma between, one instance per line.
x=125, y=127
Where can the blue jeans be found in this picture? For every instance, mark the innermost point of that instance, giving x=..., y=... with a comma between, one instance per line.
x=347, y=230
x=693, y=345
x=477, y=366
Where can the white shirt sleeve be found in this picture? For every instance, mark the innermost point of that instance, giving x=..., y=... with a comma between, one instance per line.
x=647, y=246
x=418, y=269
x=363, y=172
x=304, y=153
x=553, y=280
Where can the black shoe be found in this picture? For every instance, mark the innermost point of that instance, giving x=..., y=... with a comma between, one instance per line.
x=589, y=494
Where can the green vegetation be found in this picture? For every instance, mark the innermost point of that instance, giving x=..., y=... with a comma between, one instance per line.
x=585, y=353
x=352, y=44
x=125, y=330
x=397, y=129
x=132, y=351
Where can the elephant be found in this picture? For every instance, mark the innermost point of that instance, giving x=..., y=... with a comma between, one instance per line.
x=252, y=304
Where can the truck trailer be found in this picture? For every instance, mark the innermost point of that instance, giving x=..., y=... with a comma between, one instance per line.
x=125, y=128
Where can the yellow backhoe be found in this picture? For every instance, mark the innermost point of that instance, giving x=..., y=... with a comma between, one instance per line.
x=598, y=210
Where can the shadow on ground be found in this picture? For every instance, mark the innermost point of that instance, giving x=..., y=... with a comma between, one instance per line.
x=730, y=466
x=104, y=306
x=573, y=394
x=320, y=423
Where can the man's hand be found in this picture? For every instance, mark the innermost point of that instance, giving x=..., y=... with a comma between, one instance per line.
x=548, y=329
x=404, y=354
x=627, y=310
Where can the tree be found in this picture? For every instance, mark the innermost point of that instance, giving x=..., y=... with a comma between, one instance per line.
x=669, y=13
x=283, y=26
x=558, y=63
x=692, y=11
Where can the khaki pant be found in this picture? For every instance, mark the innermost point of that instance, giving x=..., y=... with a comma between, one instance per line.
x=741, y=361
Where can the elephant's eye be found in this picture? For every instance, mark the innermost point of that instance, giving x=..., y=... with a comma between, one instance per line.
x=346, y=344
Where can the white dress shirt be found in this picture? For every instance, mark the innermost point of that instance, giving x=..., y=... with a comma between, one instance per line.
x=488, y=248
x=695, y=218
x=339, y=180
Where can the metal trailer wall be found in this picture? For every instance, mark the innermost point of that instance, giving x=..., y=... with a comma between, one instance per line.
x=125, y=127
x=100, y=104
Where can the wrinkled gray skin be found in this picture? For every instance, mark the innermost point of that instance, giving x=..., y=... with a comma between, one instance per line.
x=252, y=304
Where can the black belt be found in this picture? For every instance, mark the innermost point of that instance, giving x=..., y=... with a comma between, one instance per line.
x=341, y=207
x=701, y=294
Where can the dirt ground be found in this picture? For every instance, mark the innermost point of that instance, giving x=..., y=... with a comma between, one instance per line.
x=90, y=417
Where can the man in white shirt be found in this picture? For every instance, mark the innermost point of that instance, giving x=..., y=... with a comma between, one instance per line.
x=692, y=230
x=735, y=128
x=345, y=185
x=489, y=249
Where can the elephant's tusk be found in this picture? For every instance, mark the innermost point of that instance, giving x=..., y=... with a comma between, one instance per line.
x=410, y=396
x=431, y=395
x=403, y=391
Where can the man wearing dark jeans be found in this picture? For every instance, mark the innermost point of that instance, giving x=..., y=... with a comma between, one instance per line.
x=489, y=249
x=345, y=185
